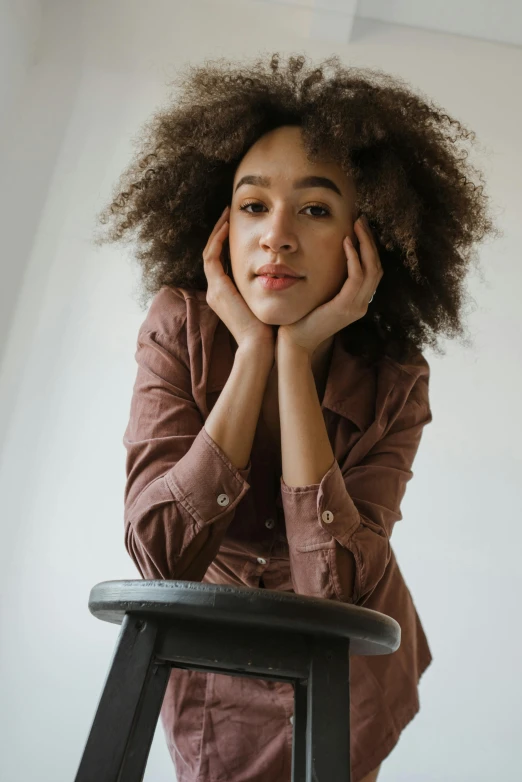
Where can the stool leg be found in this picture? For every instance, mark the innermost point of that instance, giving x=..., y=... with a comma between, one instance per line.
x=123, y=696
x=328, y=717
x=299, y=737
x=139, y=744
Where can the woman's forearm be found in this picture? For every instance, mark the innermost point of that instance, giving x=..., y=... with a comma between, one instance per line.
x=233, y=419
x=305, y=447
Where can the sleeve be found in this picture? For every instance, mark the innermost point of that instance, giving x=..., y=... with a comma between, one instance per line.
x=181, y=489
x=339, y=529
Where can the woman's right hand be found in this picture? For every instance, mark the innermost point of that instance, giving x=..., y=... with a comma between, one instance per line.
x=224, y=298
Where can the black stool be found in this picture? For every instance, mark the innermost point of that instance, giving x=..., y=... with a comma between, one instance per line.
x=167, y=624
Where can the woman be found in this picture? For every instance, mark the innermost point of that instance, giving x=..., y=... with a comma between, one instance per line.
x=274, y=424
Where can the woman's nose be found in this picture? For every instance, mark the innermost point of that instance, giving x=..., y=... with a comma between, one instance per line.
x=279, y=235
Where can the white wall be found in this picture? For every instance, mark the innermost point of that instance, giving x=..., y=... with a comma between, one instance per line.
x=20, y=34
x=68, y=369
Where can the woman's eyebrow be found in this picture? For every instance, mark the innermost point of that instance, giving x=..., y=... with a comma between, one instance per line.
x=307, y=181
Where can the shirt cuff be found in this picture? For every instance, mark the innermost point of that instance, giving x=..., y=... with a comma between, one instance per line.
x=223, y=485
x=319, y=512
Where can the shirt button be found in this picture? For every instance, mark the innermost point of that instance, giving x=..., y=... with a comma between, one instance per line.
x=261, y=561
x=291, y=719
x=269, y=523
x=327, y=516
x=223, y=500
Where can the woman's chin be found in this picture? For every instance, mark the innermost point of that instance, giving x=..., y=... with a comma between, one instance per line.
x=276, y=320
x=273, y=312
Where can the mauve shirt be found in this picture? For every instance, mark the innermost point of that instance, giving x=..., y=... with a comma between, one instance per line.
x=190, y=514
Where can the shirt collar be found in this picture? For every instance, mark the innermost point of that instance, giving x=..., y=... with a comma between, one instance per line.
x=351, y=386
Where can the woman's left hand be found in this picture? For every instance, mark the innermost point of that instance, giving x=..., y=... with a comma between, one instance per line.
x=350, y=304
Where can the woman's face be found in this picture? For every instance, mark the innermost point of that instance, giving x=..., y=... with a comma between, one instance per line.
x=278, y=221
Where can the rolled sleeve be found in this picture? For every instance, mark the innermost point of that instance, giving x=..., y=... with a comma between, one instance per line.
x=181, y=490
x=339, y=529
x=205, y=464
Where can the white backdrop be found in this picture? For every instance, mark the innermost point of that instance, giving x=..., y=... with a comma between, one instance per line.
x=77, y=83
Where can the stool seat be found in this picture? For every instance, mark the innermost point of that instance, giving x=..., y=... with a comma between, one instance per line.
x=370, y=632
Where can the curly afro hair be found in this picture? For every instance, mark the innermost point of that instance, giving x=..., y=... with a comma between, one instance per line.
x=412, y=180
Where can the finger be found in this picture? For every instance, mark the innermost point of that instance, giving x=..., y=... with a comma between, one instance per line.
x=215, y=245
x=370, y=260
x=219, y=223
x=368, y=247
x=355, y=270
x=214, y=266
x=360, y=296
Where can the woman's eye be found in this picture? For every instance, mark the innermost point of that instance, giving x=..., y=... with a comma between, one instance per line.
x=316, y=206
x=251, y=203
x=244, y=208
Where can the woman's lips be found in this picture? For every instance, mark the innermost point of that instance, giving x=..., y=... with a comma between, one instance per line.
x=277, y=284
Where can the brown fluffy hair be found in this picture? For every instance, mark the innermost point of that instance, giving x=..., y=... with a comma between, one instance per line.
x=413, y=183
